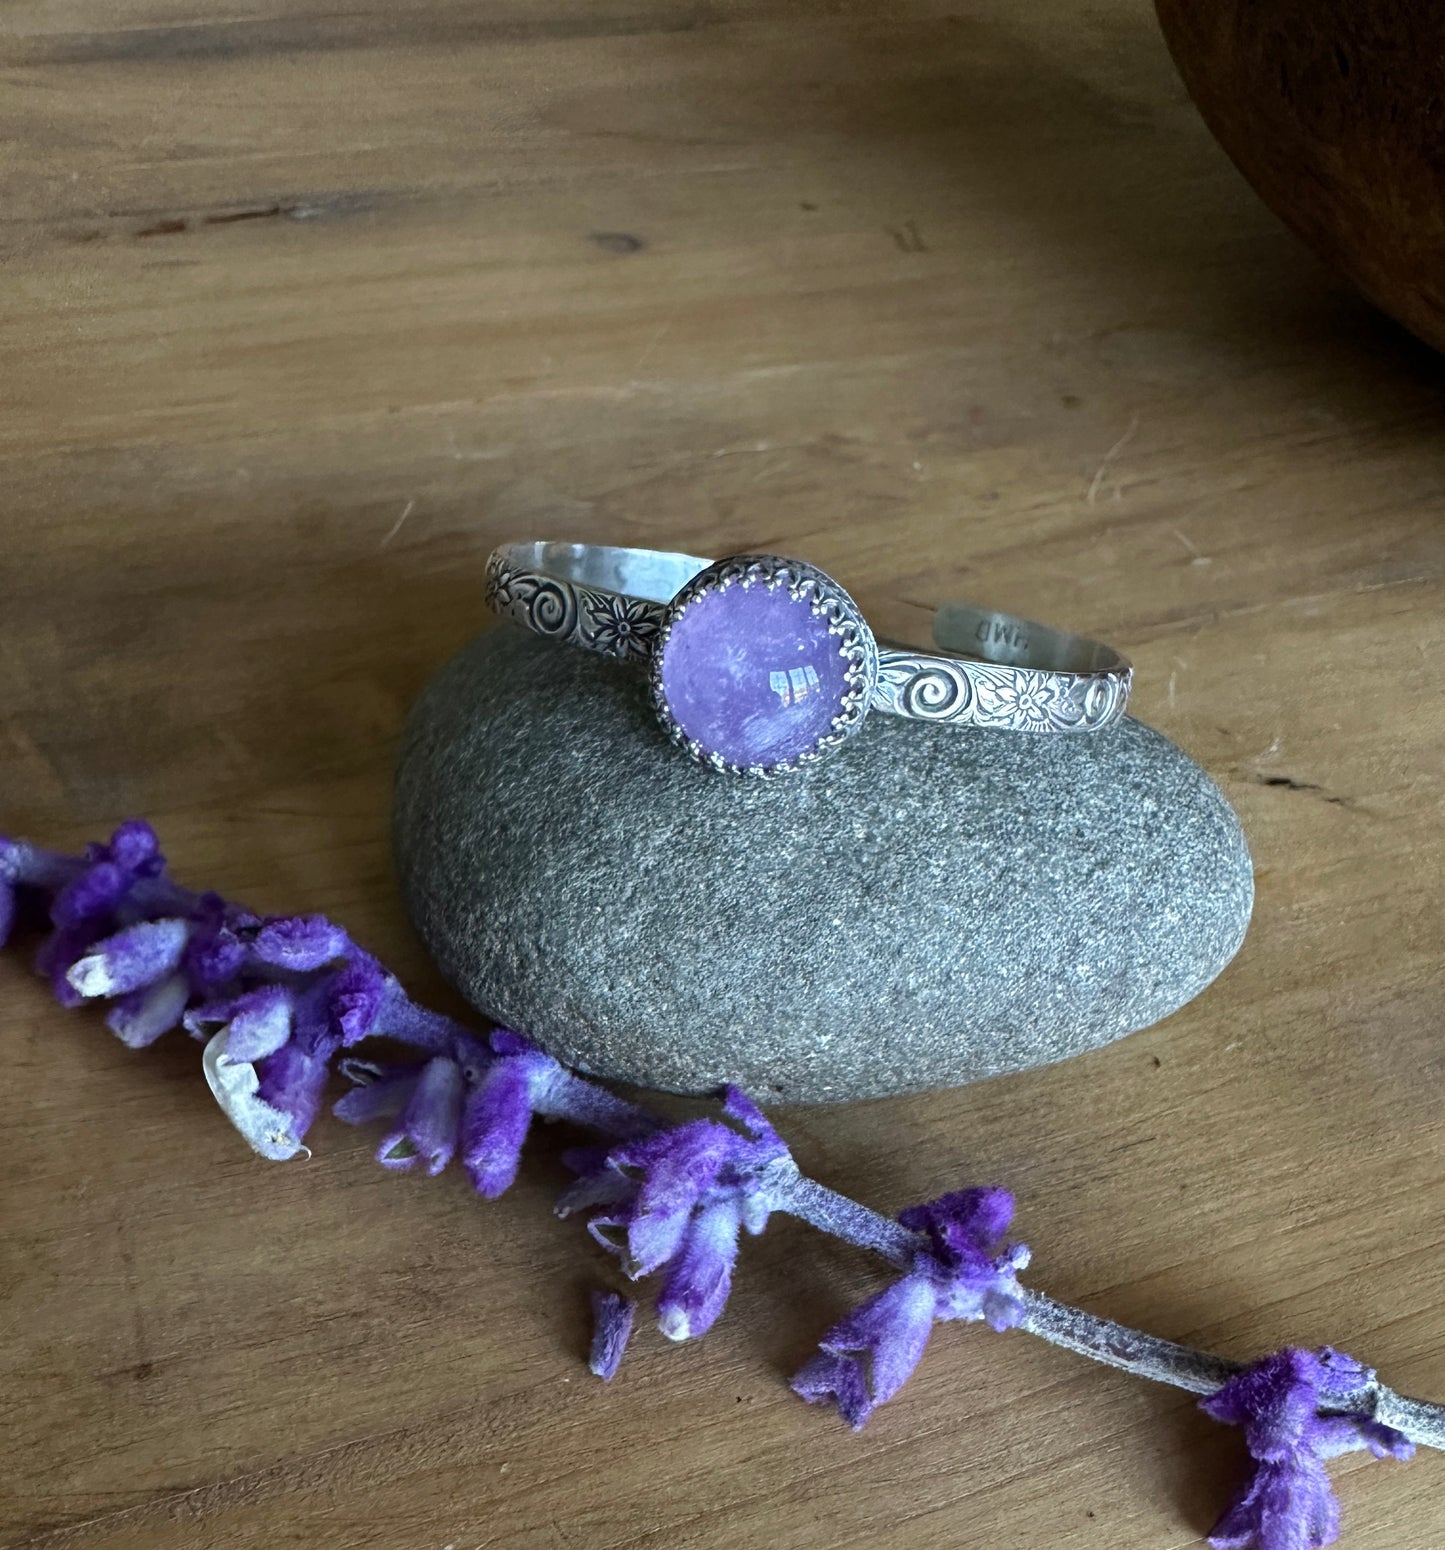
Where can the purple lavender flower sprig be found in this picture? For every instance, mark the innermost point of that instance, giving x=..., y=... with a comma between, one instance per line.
x=278, y=1001
x=476, y=1097
x=1288, y=1406
x=961, y=1270
x=676, y=1201
x=275, y=999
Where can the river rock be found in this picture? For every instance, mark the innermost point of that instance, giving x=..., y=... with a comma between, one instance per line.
x=927, y=907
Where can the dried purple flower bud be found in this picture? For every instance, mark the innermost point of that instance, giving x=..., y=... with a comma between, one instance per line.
x=497, y=1117
x=976, y=1277
x=215, y=955
x=677, y=1199
x=499, y=1111
x=696, y=1283
x=84, y=907
x=1288, y=1502
x=612, y=1316
x=111, y=870
x=1286, y=1506
x=868, y=1356
x=131, y=959
x=135, y=847
x=428, y=1130
x=355, y=999
x=961, y=1271
x=299, y=942
x=92, y=895
x=142, y=1016
x=673, y=1169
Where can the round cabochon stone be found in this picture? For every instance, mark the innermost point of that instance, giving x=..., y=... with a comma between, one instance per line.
x=753, y=674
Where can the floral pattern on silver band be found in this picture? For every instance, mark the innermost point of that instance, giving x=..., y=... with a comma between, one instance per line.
x=616, y=626
x=990, y=670
x=1009, y=699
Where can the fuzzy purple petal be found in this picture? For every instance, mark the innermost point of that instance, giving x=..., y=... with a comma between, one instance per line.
x=1275, y=1400
x=142, y=1016
x=612, y=1316
x=138, y=956
x=429, y=1124
x=215, y=955
x=381, y=1092
x=675, y=1167
x=967, y=1218
x=293, y=1081
x=1286, y=1506
x=356, y=994
x=91, y=896
x=882, y=1339
x=738, y=1106
x=1000, y=1300
x=299, y=942
x=1384, y=1442
x=260, y=1023
x=8, y=909
x=894, y=1327
x=495, y=1122
x=58, y=954
x=829, y=1377
x=697, y=1282
x=597, y=1182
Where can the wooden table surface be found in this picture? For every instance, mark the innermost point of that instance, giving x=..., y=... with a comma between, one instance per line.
x=301, y=309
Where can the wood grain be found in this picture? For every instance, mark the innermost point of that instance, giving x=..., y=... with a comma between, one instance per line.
x=305, y=308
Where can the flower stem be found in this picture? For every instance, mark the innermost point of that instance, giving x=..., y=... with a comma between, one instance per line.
x=1116, y=1345
x=837, y=1215
x=1087, y=1334
x=572, y=1097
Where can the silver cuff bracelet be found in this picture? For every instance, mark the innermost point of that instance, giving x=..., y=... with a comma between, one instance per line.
x=760, y=664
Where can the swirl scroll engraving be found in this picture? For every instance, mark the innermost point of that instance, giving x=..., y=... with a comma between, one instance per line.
x=981, y=694
x=606, y=622
x=955, y=690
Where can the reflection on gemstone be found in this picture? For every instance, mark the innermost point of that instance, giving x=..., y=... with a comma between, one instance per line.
x=792, y=685
x=753, y=674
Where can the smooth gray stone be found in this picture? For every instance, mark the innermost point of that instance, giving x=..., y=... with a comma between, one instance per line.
x=928, y=907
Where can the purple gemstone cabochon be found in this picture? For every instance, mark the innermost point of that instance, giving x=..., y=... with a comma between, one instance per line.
x=753, y=674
